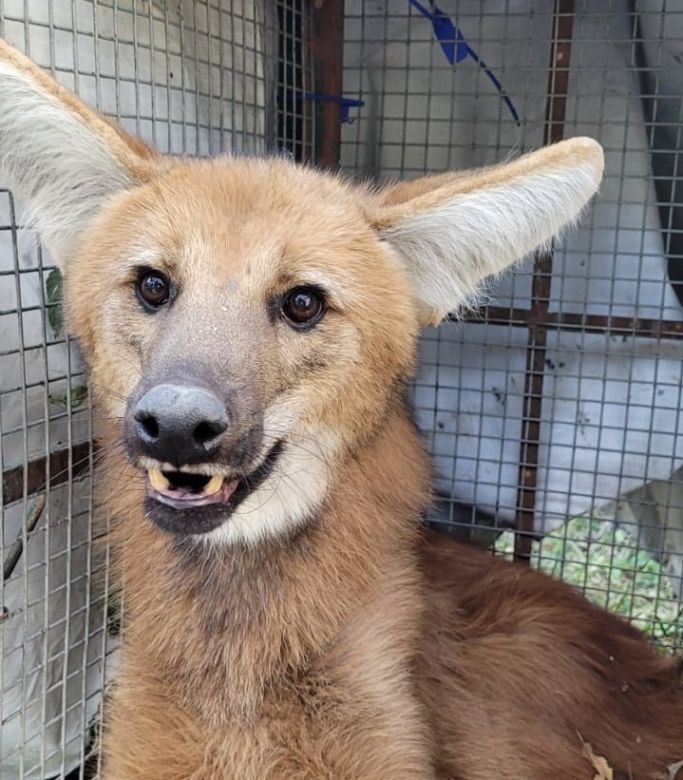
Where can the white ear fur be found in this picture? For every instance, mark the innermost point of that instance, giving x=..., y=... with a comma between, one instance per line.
x=60, y=159
x=474, y=226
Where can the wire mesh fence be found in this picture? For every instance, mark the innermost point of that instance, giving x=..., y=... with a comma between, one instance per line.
x=188, y=76
x=552, y=409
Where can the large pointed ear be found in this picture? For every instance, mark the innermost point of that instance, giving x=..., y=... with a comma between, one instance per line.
x=454, y=230
x=60, y=158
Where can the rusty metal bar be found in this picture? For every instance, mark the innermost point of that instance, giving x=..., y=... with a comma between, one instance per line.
x=558, y=81
x=53, y=469
x=310, y=140
x=639, y=327
x=327, y=39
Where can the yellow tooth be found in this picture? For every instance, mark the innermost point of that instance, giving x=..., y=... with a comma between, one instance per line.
x=157, y=480
x=213, y=485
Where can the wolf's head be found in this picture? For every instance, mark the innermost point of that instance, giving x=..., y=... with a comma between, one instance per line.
x=252, y=322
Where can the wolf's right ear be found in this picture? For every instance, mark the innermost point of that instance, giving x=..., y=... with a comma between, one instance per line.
x=60, y=158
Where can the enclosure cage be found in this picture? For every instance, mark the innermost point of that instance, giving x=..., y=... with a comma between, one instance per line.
x=551, y=409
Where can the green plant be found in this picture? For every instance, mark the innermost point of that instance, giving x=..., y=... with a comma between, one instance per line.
x=55, y=310
x=607, y=565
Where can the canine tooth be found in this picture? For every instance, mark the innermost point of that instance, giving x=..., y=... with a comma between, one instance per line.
x=213, y=485
x=157, y=480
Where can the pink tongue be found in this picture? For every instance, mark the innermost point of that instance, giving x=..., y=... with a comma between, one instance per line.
x=185, y=495
x=183, y=491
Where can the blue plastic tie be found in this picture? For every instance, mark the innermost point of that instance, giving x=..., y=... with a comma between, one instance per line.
x=345, y=104
x=456, y=48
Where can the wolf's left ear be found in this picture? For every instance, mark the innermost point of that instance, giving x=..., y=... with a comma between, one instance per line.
x=454, y=230
x=59, y=157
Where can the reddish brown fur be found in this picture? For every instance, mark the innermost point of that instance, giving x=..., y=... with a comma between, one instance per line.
x=377, y=655
x=348, y=645
x=535, y=668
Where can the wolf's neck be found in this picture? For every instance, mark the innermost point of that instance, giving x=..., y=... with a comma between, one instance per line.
x=236, y=619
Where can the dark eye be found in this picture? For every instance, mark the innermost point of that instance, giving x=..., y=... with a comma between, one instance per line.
x=303, y=307
x=153, y=289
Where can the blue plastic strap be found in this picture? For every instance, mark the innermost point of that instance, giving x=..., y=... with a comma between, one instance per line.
x=451, y=40
x=456, y=48
x=345, y=104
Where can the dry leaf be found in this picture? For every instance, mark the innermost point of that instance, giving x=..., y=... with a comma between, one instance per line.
x=599, y=763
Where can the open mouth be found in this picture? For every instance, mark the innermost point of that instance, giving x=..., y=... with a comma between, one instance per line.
x=181, y=490
x=186, y=503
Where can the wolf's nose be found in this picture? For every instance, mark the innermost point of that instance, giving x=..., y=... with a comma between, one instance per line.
x=179, y=424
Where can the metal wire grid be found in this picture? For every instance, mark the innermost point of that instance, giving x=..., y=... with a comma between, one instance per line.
x=560, y=398
x=420, y=114
x=189, y=76
x=295, y=79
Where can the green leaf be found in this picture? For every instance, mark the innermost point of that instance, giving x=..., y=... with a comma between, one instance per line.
x=79, y=394
x=55, y=312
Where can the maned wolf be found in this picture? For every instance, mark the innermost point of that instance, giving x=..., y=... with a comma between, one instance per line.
x=249, y=327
